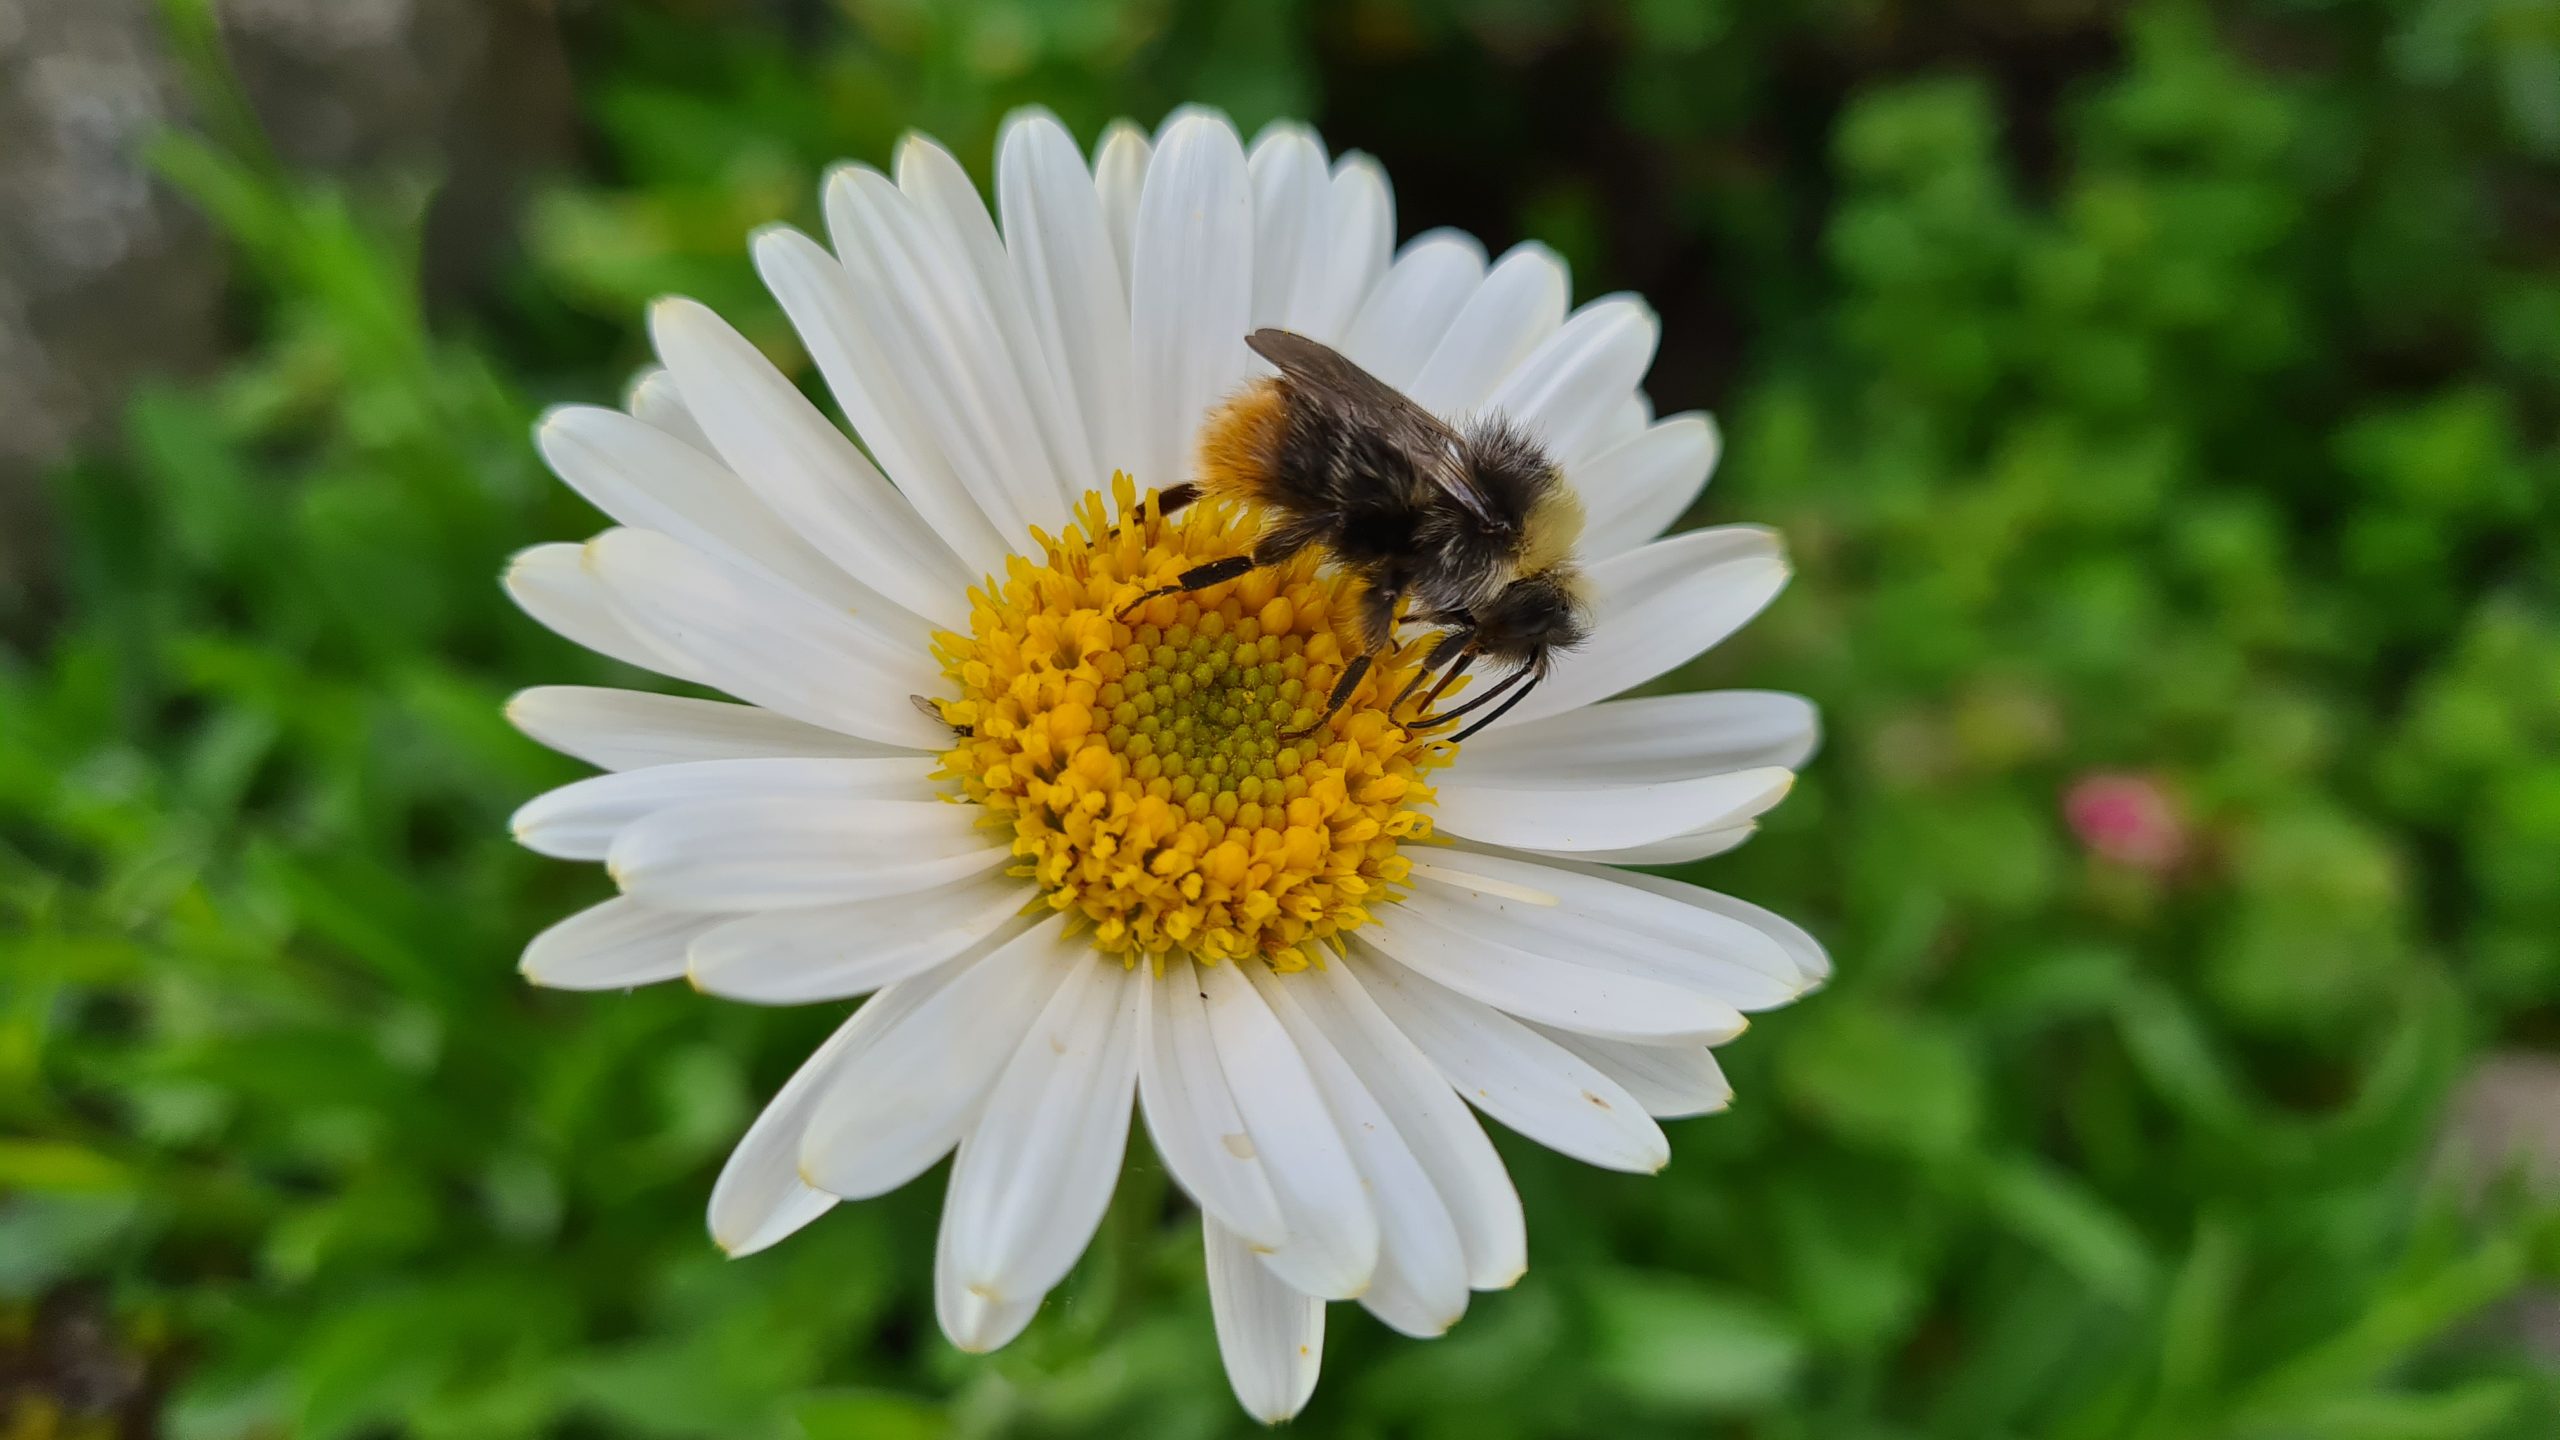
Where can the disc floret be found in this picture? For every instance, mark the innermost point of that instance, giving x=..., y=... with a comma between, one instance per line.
x=1150, y=765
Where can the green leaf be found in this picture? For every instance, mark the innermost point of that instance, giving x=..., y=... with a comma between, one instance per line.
x=2408, y=1311
x=2058, y=1215
x=45, y=1239
x=60, y=1168
x=2482, y=1408
x=2176, y=1055
x=1895, y=1081
x=868, y=1415
x=1681, y=1345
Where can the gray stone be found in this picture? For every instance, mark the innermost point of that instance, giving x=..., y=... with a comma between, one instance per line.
x=107, y=275
x=104, y=273
x=2504, y=1126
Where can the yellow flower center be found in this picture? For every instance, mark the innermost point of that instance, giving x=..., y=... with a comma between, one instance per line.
x=1145, y=762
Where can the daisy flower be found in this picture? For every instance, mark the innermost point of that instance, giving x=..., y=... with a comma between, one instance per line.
x=1093, y=871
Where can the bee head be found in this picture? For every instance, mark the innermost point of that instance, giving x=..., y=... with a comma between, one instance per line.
x=1538, y=613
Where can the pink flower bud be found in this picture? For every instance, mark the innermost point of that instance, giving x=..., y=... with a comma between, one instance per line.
x=2128, y=820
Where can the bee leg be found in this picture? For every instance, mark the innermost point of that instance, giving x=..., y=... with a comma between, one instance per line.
x=1272, y=549
x=1342, y=689
x=1443, y=651
x=1462, y=633
x=1377, y=631
x=1172, y=500
x=1198, y=577
x=1448, y=661
x=1500, y=687
x=1447, y=679
x=1498, y=711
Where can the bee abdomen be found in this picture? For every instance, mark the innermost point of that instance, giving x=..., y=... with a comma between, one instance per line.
x=1240, y=446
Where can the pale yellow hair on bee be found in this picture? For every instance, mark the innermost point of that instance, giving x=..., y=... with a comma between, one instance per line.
x=1554, y=528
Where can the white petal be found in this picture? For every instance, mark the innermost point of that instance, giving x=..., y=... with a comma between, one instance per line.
x=1189, y=110
x=1191, y=1111
x=1270, y=1336
x=1669, y=1081
x=933, y=180
x=803, y=466
x=1120, y=165
x=551, y=584
x=1356, y=247
x=633, y=729
x=1518, y=1074
x=1191, y=289
x=1520, y=303
x=1432, y=1119
x=1292, y=213
x=1332, y=1250
x=849, y=333
x=1036, y=1171
x=1625, y=423
x=1074, y=290
x=1656, y=607
x=766, y=643
x=831, y=952
x=760, y=1198
x=1602, y=819
x=612, y=946
x=938, y=324
x=1806, y=952
x=776, y=853
x=1633, y=490
x=1570, y=385
x=974, y=1323
x=1406, y=316
x=641, y=475
x=1678, y=850
x=1648, y=741
x=1587, y=998
x=579, y=820
x=899, y=1101
x=1421, y=1284
x=653, y=399
x=1596, y=917
x=929, y=175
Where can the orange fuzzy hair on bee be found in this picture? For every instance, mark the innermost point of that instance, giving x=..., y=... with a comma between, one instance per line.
x=1240, y=445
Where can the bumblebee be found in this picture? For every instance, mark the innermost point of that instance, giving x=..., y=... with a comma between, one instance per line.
x=1471, y=531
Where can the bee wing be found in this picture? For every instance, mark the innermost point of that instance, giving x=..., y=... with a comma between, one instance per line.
x=1324, y=374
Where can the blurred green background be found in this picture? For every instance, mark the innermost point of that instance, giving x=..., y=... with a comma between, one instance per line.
x=2163, y=403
